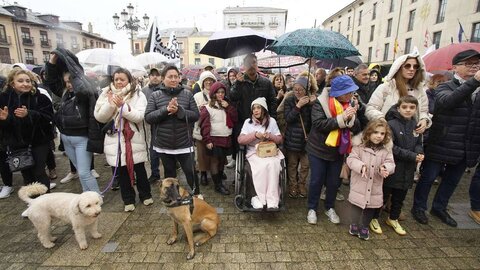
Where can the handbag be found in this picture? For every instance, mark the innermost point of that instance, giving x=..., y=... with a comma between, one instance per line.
x=20, y=159
x=267, y=149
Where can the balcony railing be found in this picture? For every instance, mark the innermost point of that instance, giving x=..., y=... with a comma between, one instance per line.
x=28, y=41
x=45, y=43
x=31, y=61
x=6, y=59
x=273, y=24
x=232, y=24
x=5, y=41
x=253, y=24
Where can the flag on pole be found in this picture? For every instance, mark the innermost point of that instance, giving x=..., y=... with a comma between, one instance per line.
x=427, y=38
x=154, y=43
x=460, y=32
x=395, y=46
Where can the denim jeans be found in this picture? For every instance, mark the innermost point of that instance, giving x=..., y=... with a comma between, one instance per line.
x=475, y=191
x=154, y=162
x=323, y=173
x=450, y=179
x=76, y=149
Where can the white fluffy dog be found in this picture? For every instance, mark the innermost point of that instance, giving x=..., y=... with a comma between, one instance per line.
x=80, y=210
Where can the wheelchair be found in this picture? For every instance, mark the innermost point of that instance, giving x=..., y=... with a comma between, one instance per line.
x=244, y=189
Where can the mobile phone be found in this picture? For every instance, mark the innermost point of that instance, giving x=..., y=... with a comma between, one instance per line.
x=352, y=103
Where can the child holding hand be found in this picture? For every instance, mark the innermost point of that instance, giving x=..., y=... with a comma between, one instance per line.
x=370, y=162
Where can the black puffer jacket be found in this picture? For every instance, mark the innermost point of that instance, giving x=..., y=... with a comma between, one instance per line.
x=455, y=133
x=85, y=94
x=171, y=131
x=34, y=129
x=405, y=149
x=243, y=93
x=294, y=134
x=322, y=124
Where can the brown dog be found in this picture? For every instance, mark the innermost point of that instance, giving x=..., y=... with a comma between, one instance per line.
x=203, y=218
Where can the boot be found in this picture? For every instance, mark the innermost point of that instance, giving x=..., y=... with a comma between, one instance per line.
x=217, y=180
x=203, y=178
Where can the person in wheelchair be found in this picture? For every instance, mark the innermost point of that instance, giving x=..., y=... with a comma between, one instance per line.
x=261, y=128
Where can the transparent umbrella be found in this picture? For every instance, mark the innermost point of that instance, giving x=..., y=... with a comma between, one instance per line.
x=153, y=58
x=109, y=57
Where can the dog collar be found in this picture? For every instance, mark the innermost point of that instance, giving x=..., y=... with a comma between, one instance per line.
x=186, y=201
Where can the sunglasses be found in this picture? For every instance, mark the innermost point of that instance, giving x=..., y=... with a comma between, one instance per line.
x=409, y=66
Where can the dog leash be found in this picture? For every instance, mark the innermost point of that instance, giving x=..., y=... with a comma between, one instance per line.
x=119, y=153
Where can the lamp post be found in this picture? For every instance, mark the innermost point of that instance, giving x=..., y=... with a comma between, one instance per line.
x=130, y=23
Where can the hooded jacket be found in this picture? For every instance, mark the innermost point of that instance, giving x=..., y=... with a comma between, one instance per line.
x=386, y=95
x=171, y=131
x=405, y=149
x=85, y=98
x=455, y=133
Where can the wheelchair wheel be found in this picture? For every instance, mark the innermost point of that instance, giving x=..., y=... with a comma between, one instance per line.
x=239, y=171
x=239, y=202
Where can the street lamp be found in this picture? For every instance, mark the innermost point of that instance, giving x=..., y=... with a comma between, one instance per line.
x=130, y=23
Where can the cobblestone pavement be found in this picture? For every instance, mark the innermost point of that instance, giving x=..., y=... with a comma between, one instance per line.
x=280, y=240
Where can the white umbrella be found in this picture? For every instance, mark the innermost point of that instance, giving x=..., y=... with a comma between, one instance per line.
x=109, y=57
x=153, y=58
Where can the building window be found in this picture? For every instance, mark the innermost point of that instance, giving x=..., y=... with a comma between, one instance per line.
x=339, y=26
x=29, y=57
x=5, y=56
x=478, y=6
x=44, y=38
x=385, y=52
x=360, y=17
x=348, y=37
x=60, y=42
x=46, y=56
x=369, y=57
x=85, y=44
x=411, y=20
x=475, y=33
x=372, y=31
x=3, y=35
x=92, y=45
x=389, y=28
x=197, y=61
x=442, y=5
x=374, y=11
x=211, y=61
x=436, y=39
x=414, y=1
x=74, y=43
x=197, y=46
x=348, y=23
x=392, y=6
x=408, y=45
x=25, y=33
x=358, y=37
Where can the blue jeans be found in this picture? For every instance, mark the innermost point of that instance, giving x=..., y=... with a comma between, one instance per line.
x=323, y=173
x=475, y=191
x=154, y=162
x=450, y=179
x=76, y=149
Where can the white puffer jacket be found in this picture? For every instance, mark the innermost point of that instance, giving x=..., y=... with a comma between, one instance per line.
x=133, y=111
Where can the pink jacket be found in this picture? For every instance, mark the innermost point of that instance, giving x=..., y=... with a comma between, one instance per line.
x=367, y=192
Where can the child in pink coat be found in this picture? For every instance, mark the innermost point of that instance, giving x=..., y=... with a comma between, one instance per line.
x=371, y=162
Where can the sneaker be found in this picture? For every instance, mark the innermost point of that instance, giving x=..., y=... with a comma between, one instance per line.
x=148, y=202
x=475, y=215
x=419, y=216
x=340, y=197
x=256, y=204
x=200, y=196
x=322, y=195
x=332, y=216
x=95, y=174
x=375, y=226
x=353, y=230
x=129, y=208
x=6, y=191
x=52, y=174
x=231, y=164
x=312, y=217
x=364, y=234
x=396, y=226
x=70, y=176
x=52, y=185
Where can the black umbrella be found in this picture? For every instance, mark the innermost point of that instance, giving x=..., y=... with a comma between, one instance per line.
x=231, y=43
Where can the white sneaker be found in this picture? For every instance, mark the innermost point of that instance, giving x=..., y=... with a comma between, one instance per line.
x=256, y=203
x=53, y=185
x=231, y=164
x=332, y=216
x=148, y=202
x=129, y=208
x=70, y=176
x=6, y=191
x=340, y=196
x=312, y=217
x=95, y=174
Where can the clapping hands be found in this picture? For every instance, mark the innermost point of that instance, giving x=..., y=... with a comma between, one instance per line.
x=4, y=113
x=172, y=106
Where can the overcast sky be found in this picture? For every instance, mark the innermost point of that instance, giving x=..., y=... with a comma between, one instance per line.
x=206, y=15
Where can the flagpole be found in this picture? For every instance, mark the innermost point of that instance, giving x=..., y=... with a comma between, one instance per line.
x=463, y=31
x=396, y=34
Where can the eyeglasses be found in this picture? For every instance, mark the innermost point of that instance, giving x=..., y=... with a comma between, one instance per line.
x=469, y=65
x=409, y=66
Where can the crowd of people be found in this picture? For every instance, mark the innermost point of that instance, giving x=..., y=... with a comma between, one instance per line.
x=346, y=123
